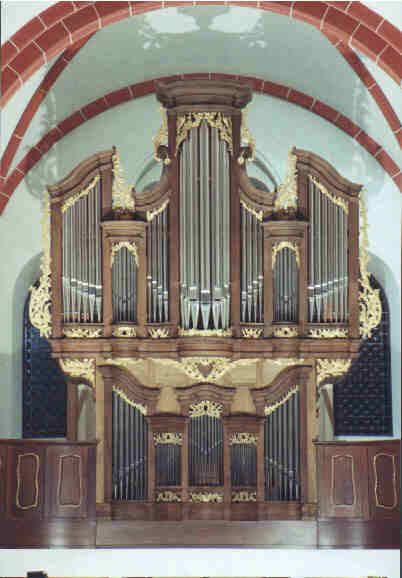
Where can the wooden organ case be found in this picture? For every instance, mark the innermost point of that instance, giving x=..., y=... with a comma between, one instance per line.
x=199, y=277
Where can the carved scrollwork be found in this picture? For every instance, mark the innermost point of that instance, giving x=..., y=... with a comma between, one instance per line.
x=158, y=332
x=206, y=407
x=123, y=331
x=206, y=497
x=244, y=438
x=84, y=368
x=252, y=332
x=273, y=407
x=82, y=333
x=257, y=214
x=292, y=245
x=129, y=245
x=244, y=496
x=285, y=332
x=157, y=211
x=122, y=198
x=70, y=202
x=40, y=301
x=331, y=367
x=287, y=191
x=328, y=333
x=205, y=332
x=336, y=199
x=168, y=438
x=161, y=138
x=370, y=302
x=214, y=119
x=246, y=139
x=167, y=496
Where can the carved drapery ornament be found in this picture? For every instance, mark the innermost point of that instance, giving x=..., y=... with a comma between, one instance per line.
x=331, y=368
x=273, y=407
x=82, y=333
x=141, y=408
x=196, y=368
x=370, y=302
x=70, y=202
x=287, y=191
x=244, y=438
x=193, y=119
x=336, y=199
x=257, y=214
x=328, y=333
x=168, y=438
x=157, y=211
x=84, y=368
x=122, y=198
x=206, y=407
x=292, y=245
x=124, y=331
x=205, y=497
x=131, y=248
x=40, y=302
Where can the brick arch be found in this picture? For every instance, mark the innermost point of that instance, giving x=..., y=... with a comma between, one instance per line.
x=65, y=23
x=141, y=89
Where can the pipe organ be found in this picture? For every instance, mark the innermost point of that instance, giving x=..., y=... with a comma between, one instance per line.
x=203, y=271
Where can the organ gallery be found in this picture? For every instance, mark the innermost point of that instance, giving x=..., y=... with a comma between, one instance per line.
x=206, y=314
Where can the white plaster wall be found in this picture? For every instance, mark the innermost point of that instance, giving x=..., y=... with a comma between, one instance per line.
x=276, y=125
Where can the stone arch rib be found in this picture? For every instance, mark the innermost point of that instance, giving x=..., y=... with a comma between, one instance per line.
x=65, y=23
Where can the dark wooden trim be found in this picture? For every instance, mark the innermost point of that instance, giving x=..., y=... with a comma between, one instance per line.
x=72, y=410
x=190, y=94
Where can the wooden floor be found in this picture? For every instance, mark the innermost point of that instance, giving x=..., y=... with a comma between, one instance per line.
x=195, y=533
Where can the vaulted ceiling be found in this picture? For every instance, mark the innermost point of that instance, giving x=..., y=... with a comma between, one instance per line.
x=340, y=60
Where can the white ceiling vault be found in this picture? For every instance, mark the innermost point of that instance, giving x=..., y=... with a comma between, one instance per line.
x=236, y=40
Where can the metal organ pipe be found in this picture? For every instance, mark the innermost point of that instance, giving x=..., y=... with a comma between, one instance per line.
x=157, y=265
x=204, y=230
x=252, y=277
x=286, y=286
x=328, y=268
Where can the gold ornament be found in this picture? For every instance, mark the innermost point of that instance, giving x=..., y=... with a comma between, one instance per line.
x=328, y=333
x=84, y=368
x=286, y=332
x=70, y=202
x=244, y=496
x=206, y=407
x=162, y=137
x=292, y=245
x=331, y=367
x=123, y=331
x=158, y=333
x=205, y=332
x=40, y=301
x=167, y=496
x=370, y=302
x=287, y=361
x=246, y=139
x=193, y=119
x=218, y=366
x=82, y=333
x=336, y=199
x=205, y=497
x=168, y=438
x=252, y=332
x=287, y=191
x=122, y=197
x=157, y=211
x=141, y=408
x=129, y=245
x=271, y=408
x=244, y=438
x=257, y=214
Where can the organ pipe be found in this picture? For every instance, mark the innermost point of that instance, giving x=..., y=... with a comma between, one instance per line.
x=157, y=265
x=204, y=230
x=205, y=451
x=286, y=286
x=124, y=287
x=252, y=272
x=81, y=260
x=328, y=268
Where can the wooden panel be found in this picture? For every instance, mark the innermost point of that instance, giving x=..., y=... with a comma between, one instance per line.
x=66, y=481
x=3, y=480
x=279, y=511
x=338, y=533
x=384, y=481
x=342, y=478
x=26, y=465
x=47, y=534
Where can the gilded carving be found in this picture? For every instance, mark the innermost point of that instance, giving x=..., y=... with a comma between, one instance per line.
x=244, y=438
x=40, y=301
x=206, y=407
x=331, y=367
x=370, y=303
x=206, y=497
x=161, y=138
x=205, y=332
x=157, y=211
x=287, y=361
x=257, y=214
x=246, y=139
x=328, y=333
x=376, y=486
x=287, y=191
x=168, y=438
x=129, y=245
x=273, y=407
x=336, y=199
x=292, y=245
x=217, y=366
x=124, y=331
x=158, y=332
x=70, y=202
x=285, y=332
x=64, y=457
x=84, y=368
x=20, y=482
x=167, y=496
x=244, y=496
x=82, y=333
x=141, y=408
x=252, y=332
x=122, y=198
x=214, y=119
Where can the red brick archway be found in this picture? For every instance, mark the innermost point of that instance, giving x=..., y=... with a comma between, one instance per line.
x=65, y=23
x=141, y=89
